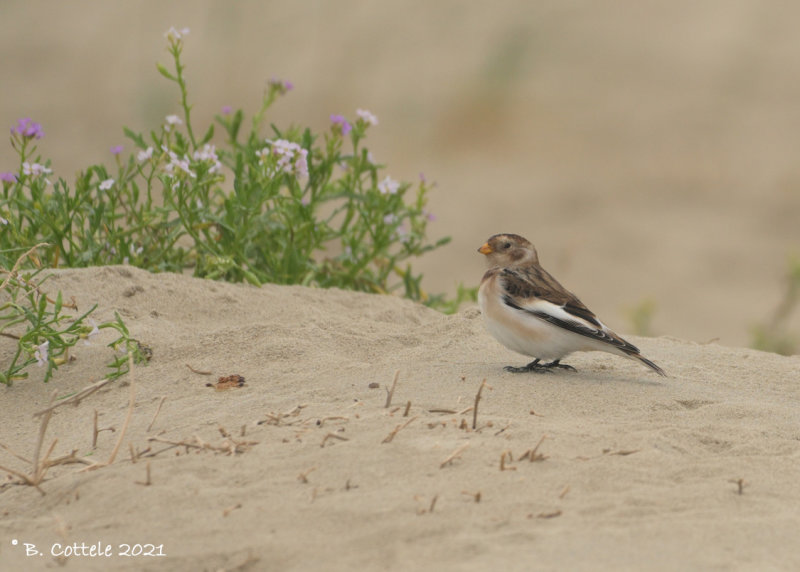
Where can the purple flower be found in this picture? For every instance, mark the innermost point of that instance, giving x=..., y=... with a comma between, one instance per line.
x=8, y=177
x=226, y=109
x=28, y=128
x=342, y=123
x=280, y=85
x=116, y=149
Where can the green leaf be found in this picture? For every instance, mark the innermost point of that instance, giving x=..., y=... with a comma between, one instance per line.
x=209, y=134
x=135, y=137
x=163, y=71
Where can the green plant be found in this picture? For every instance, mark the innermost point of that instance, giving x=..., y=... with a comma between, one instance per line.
x=292, y=208
x=44, y=328
x=773, y=335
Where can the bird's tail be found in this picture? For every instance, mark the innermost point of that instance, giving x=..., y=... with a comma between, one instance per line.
x=648, y=363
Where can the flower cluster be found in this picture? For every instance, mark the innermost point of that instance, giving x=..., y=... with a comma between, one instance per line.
x=388, y=186
x=28, y=129
x=340, y=123
x=35, y=169
x=208, y=154
x=175, y=162
x=290, y=157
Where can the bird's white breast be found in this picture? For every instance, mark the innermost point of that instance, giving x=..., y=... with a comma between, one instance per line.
x=524, y=333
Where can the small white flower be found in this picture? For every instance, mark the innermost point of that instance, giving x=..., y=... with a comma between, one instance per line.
x=172, y=120
x=145, y=155
x=292, y=159
x=3, y=220
x=41, y=354
x=107, y=184
x=94, y=332
x=173, y=34
x=390, y=219
x=388, y=186
x=367, y=117
x=208, y=153
x=35, y=169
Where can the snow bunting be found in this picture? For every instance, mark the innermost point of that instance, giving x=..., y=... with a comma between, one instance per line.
x=529, y=312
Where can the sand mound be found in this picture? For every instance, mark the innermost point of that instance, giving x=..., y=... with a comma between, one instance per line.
x=305, y=468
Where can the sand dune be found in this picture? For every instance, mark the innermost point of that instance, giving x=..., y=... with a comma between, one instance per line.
x=629, y=472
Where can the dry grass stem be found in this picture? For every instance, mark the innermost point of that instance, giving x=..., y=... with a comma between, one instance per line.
x=229, y=446
x=394, y=431
x=129, y=414
x=332, y=436
x=303, y=477
x=147, y=482
x=445, y=411
x=390, y=392
x=533, y=455
x=564, y=492
x=454, y=455
x=198, y=371
x=475, y=496
x=408, y=408
x=279, y=418
x=740, y=485
x=14, y=453
x=13, y=272
x=158, y=410
x=77, y=398
x=96, y=431
x=552, y=514
x=506, y=455
x=229, y=510
x=477, y=400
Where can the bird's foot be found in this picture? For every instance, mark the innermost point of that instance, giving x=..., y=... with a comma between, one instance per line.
x=537, y=367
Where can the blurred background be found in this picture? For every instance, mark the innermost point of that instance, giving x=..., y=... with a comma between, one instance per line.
x=649, y=149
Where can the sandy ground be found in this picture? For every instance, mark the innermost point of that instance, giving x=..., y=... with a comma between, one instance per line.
x=648, y=149
x=630, y=471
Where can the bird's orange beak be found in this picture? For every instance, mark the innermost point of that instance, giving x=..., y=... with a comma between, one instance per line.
x=485, y=248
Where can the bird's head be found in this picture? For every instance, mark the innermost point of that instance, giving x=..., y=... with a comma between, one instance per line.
x=509, y=250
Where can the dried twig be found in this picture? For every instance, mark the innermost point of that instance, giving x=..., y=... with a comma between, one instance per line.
x=475, y=496
x=131, y=403
x=198, y=371
x=230, y=509
x=303, y=477
x=13, y=272
x=96, y=431
x=532, y=454
x=408, y=408
x=454, y=455
x=147, y=482
x=477, y=400
x=390, y=392
x=740, y=484
x=503, y=457
x=158, y=410
x=394, y=432
x=332, y=436
x=77, y=398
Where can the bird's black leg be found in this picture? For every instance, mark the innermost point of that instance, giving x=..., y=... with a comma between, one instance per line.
x=555, y=364
x=534, y=366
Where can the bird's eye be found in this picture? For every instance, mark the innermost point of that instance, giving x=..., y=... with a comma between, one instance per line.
x=506, y=245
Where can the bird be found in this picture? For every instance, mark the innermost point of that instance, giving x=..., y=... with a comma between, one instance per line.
x=531, y=313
